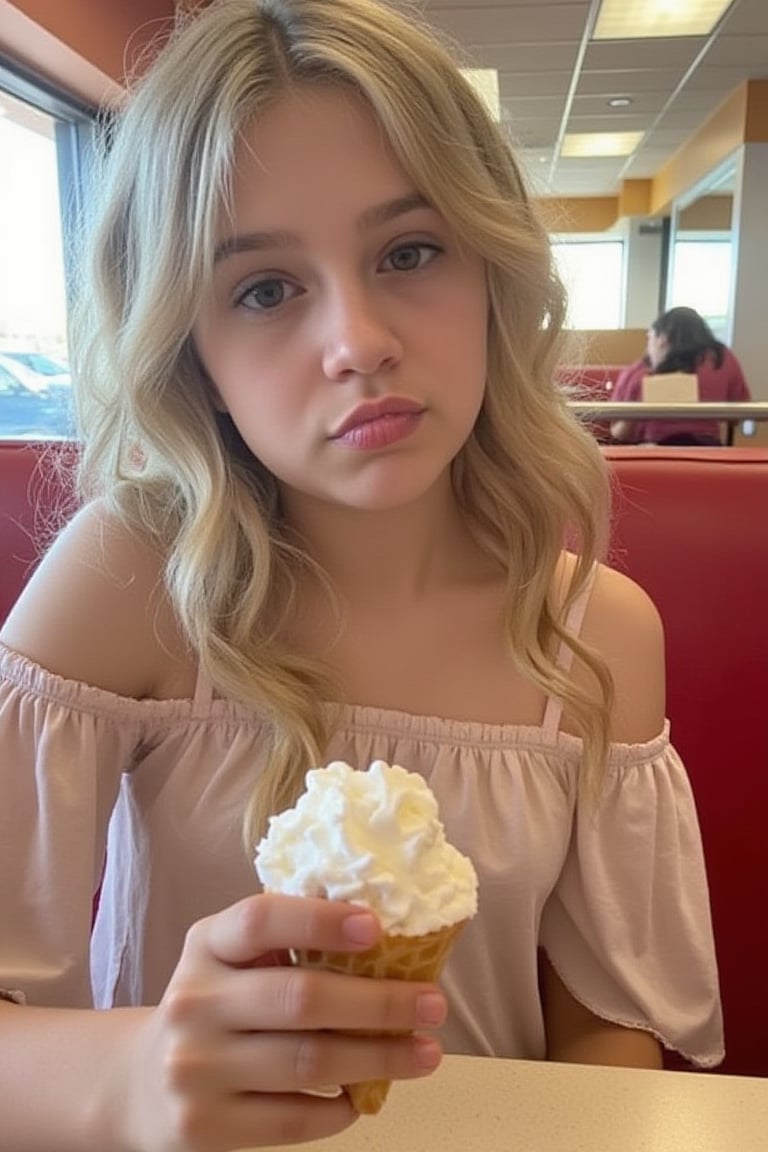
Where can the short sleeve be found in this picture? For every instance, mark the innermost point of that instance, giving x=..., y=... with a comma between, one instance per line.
x=628, y=926
x=59, y=775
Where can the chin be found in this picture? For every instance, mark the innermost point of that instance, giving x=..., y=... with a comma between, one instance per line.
x=397, y=492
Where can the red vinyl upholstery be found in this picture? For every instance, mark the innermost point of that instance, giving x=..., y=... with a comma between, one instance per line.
x=35, y=495
x=588, y=383
x=691, y=526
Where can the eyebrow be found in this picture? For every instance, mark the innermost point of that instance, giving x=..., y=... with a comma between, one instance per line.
x=372, y=217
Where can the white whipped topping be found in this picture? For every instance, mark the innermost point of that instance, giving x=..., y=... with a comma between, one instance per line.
x=372, y=838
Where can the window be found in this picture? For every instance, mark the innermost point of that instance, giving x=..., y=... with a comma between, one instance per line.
x=42, y=141
x=701, y=277
x=593, y=273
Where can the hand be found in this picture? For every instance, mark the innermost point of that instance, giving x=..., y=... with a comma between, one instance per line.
x=220, y=1063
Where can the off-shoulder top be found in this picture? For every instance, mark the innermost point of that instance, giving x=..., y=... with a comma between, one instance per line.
x=616, y=895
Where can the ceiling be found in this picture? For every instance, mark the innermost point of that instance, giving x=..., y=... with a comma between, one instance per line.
x=553, y=79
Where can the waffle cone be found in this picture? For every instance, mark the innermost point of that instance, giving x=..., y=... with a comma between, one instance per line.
x=393, y=958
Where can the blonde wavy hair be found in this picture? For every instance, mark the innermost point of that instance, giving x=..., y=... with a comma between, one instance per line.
x=529, y=479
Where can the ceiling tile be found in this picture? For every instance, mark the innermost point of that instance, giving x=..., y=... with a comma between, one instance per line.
x=536, y=84
x=607, y=123
x=675, y=84
x=746, y=18
x=481, y=24
x=676, y=53
x=644, y=104
x=618, y=83
x=739, y=52
x=558, y=56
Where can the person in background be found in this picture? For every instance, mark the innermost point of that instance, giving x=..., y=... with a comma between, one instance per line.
x=680, y=340
x=328, y=479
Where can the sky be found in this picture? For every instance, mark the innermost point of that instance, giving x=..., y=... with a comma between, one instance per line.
x=32, y=299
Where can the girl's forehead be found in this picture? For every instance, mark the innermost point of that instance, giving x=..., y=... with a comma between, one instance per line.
x=317, y=143
x=301, y=111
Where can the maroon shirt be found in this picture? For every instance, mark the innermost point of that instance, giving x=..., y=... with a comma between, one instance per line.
x=716, y=386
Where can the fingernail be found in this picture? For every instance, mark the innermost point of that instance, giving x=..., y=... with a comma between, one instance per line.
x=431, y=1009
x=361, y=928
x=427, y=1052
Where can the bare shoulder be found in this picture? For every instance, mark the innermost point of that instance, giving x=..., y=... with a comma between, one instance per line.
x=624, y=626
x=95, y=610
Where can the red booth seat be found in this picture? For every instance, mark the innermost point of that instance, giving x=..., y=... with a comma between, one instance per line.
x=691, y=526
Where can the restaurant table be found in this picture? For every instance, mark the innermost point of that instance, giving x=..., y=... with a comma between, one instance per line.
x=484, y=1105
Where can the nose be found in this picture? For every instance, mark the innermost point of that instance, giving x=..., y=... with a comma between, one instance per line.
x=358, y=339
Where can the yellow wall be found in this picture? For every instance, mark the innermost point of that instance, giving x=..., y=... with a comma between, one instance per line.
x=579, y=213
x=741, y=119
x=83, y=46
x=707, y=214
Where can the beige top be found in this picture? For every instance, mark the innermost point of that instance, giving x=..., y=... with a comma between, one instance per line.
x=617, y=897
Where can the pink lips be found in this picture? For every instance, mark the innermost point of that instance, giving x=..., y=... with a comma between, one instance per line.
x=378, y=423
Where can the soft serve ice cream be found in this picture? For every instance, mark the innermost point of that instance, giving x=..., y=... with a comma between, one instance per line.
x=373, y=838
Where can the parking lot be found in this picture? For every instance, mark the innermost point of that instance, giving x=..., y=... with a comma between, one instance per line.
x=32, y=410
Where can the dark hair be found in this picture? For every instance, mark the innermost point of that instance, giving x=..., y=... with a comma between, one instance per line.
x=689, y=340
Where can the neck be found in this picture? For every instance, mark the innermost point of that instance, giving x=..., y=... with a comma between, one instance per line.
x=391, y=555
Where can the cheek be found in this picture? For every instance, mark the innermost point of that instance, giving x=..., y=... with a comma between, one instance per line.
x=465, y=324
x=241, y=378
x=477, y=338
x=273, y=412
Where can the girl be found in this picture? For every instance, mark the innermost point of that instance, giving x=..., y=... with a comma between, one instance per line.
x=332, y=483
x=681, y=341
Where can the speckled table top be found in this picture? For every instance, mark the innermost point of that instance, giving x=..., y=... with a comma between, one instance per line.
x=478, y=1105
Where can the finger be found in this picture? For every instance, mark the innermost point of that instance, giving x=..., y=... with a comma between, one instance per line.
x=285, y=999
x=303, y=999
x=266, y=923
x=299, y=1061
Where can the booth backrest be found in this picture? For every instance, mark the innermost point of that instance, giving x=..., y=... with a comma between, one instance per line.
x=590, y=381
x=691, y=526
x=36, y=488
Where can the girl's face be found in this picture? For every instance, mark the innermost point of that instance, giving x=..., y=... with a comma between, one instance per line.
x=345, y=331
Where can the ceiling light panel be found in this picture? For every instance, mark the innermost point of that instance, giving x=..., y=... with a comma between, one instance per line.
x=641, y=19
x=600, y=143
x=485, y=82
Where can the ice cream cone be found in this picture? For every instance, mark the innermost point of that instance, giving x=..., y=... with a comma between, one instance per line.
x=373, y=838
x=393, y=958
